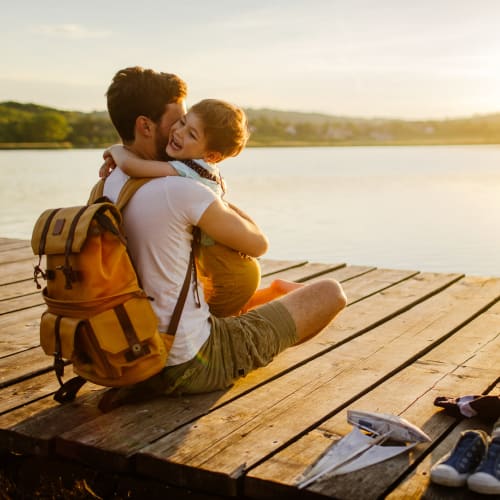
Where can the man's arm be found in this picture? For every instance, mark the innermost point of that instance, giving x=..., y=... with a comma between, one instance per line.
x=239, y=212
x=225, y=225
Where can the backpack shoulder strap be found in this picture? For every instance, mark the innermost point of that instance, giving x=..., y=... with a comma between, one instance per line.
x=97, y=192
x=128, y=190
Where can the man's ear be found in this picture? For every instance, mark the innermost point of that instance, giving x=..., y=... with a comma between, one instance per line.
x=143, y=126
x=212, y=156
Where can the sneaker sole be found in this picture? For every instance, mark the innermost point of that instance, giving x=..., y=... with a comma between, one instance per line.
x=444, y=477
x=480, y=482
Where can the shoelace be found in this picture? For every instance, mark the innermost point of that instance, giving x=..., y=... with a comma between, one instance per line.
x=464, y=453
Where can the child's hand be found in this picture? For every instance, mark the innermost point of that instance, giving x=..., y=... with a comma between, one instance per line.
x=114, y=156
x=120, y=154
x=111, y=160
x=108, y=166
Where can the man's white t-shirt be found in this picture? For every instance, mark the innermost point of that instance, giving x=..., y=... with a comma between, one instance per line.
x=158, y=222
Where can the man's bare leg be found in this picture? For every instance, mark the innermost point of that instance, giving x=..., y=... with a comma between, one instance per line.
x=314, y=306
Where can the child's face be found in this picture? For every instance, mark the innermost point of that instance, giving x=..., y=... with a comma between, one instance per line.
x=187, y=138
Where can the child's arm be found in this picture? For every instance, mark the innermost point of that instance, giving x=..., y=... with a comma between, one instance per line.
x=134, y=166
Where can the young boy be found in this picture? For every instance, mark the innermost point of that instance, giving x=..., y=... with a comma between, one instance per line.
x=211, y=131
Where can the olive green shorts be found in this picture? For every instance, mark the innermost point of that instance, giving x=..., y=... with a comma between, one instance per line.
x=237, y=345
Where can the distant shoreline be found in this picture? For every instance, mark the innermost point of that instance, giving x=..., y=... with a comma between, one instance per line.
x=270, y=144
x=31, y=126
x=37, y=145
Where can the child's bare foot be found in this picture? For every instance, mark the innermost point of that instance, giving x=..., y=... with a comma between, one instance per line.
x=275, y=290
x=283, y=287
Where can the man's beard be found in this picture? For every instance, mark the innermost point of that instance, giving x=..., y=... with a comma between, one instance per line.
x=161, y=149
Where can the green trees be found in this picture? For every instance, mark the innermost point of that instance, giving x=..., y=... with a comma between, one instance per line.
x=31, y=124
x=91, y=130
x=47, y=126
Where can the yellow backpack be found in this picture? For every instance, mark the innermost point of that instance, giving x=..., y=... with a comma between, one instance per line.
x=97, y=317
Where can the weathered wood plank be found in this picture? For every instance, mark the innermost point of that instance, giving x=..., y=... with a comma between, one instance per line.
x=16, y=271
x=14, y=396
x=217, y=449
x=356, y=319
x=7, y=244
x=270, y=266
x=410, y=292
x=18, y=303
x=18, y=289
x=11, y=441
x=302, y=273
x=23, y=253
x=348, y=272
x=20, y=330
x=30, y=428
x=417, y=484
x=237, y=431
x=379, y=279
x=463, y=362
x=23, y=365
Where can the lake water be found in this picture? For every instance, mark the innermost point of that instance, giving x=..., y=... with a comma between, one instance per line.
x=423, y=208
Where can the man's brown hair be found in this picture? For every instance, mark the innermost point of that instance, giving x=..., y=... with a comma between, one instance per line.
x=136, y=91
x=225, y=126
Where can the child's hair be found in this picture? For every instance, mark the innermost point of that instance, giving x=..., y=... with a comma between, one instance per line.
x=225, y=126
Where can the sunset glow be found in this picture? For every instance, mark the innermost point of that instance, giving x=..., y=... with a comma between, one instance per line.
x=434, y=59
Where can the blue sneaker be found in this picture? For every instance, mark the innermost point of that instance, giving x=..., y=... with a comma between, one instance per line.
x=454, y=468
x=486, y=478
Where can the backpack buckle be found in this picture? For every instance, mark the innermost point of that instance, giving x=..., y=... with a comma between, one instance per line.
x=70, y=275
x=136, y=351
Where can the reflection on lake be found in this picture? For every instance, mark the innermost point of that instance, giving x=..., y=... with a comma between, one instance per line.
x=423, y=208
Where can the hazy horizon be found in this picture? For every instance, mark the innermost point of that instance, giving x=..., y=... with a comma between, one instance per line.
x=433, y=60
x=295, y=111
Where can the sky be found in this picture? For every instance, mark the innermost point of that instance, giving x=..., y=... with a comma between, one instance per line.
x=430, y=59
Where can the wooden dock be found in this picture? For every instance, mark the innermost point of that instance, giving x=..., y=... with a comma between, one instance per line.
x=405, y=338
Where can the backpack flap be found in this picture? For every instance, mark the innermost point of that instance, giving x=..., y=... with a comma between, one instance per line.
x=84, y=248
x=128, y=338
x=64, y=230
x=134, y=324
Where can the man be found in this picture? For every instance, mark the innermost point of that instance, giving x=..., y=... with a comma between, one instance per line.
x=208, y=353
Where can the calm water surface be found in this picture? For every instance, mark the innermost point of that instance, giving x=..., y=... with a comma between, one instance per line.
x=423, y=208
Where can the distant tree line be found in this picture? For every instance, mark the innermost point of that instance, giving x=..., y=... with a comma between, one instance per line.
x=31, y=123
x=35, y=124
x=271, y=127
